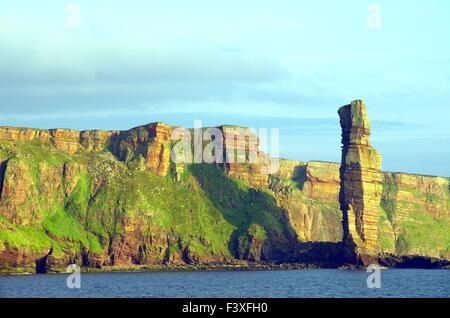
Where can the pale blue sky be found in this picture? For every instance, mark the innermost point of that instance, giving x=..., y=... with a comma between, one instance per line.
x=285, y=64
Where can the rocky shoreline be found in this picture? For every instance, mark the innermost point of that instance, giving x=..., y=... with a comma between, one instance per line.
x=389, y=262
x=167, y=268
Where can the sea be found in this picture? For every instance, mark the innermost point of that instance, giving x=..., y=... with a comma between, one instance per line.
x=314, y=283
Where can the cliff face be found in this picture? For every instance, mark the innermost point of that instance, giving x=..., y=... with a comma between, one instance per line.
x=415, y=216
x=252, y=173
x=361, y=181
x=125, y=203
x=63, y=139
x=308, y=192
x=115, y=198
x=151, y=142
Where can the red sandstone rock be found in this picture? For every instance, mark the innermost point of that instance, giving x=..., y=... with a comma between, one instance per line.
x=361, y=181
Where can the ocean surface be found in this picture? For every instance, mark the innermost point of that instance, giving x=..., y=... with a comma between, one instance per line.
x=233, y=284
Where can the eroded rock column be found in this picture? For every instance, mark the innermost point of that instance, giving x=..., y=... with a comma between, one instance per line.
x=361, y=185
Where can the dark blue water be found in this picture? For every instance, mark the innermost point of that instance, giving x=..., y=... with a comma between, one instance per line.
x=238, y=284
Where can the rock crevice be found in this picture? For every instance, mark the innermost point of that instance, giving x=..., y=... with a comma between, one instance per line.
x=3, y=167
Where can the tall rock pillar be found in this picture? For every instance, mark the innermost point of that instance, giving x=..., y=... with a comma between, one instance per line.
x=361, y=185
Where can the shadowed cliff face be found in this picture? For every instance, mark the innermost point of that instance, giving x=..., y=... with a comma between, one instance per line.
x=261, y=231
x=115, y=198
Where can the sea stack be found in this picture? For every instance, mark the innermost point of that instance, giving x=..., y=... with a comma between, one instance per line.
x=361, y=186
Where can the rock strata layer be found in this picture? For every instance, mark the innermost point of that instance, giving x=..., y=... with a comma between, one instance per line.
x=63, y=139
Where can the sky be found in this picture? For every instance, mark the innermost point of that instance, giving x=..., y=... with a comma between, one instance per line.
x=264, y=64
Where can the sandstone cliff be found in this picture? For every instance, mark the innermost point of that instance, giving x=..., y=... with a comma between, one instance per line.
x=63, y=139
x=415, y=215
x=115, y=198
x=361, y=181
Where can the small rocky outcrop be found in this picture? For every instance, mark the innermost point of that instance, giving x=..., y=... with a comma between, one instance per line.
x=238, y=163
x=151, y=141
x=361, y=184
